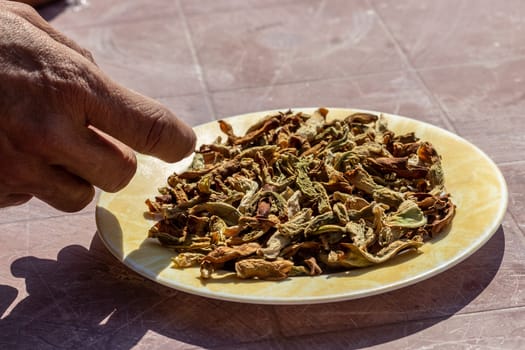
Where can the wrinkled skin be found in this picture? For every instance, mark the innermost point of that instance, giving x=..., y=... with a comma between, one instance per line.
x=65, y=127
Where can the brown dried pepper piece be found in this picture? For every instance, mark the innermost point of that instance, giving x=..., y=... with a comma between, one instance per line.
x=263, y=269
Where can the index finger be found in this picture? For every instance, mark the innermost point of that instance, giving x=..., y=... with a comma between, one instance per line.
x=138, y=121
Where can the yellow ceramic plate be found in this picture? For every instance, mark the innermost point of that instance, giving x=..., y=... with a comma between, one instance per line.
x=476, y=185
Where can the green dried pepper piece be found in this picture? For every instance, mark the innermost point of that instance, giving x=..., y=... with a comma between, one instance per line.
x=357, y=257
x=227, y=212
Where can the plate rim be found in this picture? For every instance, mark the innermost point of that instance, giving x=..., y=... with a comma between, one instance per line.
x=276, y=300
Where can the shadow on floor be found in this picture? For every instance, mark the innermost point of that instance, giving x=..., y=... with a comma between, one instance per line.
x=7, y=296
x=87, y=299
x=50, y=11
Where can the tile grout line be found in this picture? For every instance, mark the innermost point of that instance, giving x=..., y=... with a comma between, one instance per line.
x=472, y=63
x=255, y=6
x=290, y=57
x=313, y=80
x=431, y=319
x=509, y=211
x=111, y=23
x=443, y=109
x=156, y=16
x=198, y=66
x=208, y=92
x=189, y=94
x=347, y=77
x=445, y=115
x=86, y=213
x=129, y=321
x=516, y=222
x=512, y=162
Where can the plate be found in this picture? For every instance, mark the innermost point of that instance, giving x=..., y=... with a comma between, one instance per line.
x=475, y=183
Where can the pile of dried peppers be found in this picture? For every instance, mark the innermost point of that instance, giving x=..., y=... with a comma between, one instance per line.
x=300, y=195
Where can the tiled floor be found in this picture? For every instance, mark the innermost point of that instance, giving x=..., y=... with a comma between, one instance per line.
x=457, y=64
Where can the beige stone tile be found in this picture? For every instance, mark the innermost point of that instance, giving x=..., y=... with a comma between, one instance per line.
x=36, y=209
x=201, y=323
x=292, y=42
x=43, y=235
x=502, y=329
x=492, y=278
x=83, y=13
x=74, y=295
x=397, y=93
x=443, y=33
x=149, y=56
x=216, y=6
x=193, y=109
x=514, y=174
x=485, y=103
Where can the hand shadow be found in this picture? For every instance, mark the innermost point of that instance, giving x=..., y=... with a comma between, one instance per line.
x=7, y=296
x=53, y=9
x=87, y=299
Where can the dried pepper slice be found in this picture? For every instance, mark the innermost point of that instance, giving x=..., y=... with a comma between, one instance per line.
x=300, y=195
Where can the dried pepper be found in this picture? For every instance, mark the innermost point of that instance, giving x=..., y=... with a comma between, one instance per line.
x=300, y=195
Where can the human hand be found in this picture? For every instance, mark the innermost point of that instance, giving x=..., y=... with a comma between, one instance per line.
x=65, y=127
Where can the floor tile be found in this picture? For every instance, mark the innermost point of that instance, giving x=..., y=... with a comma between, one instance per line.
x=397, y=93
x=294, y=42
x=454, y=64
x=514, y=174
x=89, y=13
x=218, y=323
x=193, y=109
x=192, y=7
x=7, y=295
x=492, y=278
x=14, y=238
x=36, y=209
x=485, y=103
x=437, y=33
x=33, y=237
x=75, y=297
x=506, y=289
x=149, y=56
x=503, y=329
